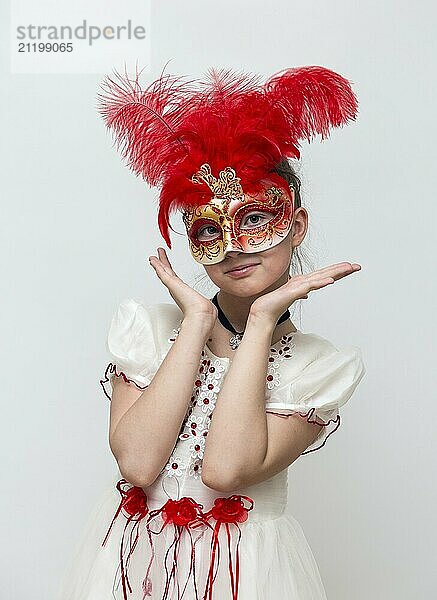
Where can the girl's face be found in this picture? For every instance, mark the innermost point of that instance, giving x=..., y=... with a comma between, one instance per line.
x=271, y=266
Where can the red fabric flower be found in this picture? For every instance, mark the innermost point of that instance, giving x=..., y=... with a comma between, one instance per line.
x=229, y=510
x=134, y=503
x=181, y=512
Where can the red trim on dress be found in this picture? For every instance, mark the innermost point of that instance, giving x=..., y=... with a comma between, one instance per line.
x=308, y=416
x=111, y=369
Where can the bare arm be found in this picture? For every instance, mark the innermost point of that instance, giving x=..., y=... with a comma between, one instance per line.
x=244, y=444
x=144, y=426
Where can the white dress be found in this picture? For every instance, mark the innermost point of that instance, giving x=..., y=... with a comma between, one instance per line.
x=169, y=540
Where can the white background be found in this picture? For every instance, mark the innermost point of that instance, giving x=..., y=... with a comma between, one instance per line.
x=77, y=228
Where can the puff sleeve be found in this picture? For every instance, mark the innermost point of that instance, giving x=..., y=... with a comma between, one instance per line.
x=319, y=390
x=131, y=346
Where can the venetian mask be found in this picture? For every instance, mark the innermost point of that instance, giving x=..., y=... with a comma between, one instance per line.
x=234, y=220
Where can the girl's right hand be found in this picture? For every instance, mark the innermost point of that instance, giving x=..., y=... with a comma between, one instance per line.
x=192, y=304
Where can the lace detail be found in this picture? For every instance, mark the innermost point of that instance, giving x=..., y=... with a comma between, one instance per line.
x=187, y=458
x=277, y=356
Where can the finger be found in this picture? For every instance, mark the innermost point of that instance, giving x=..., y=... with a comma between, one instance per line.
x=160, y=269
x=163, y=261
x=343, y=268
x=166, y=275
x=319, y=283
x=305, y=287
x=164, y=258
x=344, y=273
x=338, y=270
x=335, y=271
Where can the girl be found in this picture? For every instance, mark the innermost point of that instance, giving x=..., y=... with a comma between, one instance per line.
x=213, y=399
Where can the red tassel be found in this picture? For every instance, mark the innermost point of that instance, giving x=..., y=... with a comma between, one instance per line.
x=227, y=510
x=183, y=513
x=134, y=504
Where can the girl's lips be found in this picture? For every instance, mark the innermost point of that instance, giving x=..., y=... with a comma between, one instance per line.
x=242, y=272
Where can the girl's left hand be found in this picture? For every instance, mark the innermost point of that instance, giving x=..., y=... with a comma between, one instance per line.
x=273, y=304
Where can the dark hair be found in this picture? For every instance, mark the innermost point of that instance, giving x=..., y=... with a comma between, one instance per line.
x=287, y=172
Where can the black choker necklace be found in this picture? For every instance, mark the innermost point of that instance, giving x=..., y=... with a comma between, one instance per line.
x=235, y=340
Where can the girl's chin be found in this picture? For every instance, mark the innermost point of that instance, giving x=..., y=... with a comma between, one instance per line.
x=246, y=288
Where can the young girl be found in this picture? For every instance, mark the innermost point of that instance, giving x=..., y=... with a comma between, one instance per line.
x=213, y=399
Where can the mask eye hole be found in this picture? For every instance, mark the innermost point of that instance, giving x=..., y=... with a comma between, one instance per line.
x=205, y=231
x=255, y=219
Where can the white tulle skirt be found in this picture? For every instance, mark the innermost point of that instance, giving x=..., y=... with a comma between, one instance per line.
x=275, y=562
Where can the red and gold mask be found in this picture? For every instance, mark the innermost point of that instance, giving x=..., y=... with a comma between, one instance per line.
x=224, y=224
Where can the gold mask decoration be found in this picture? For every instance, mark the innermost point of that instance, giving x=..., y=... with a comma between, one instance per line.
x=227, y=213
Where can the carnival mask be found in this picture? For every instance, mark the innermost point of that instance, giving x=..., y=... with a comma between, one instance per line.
x=226, y=223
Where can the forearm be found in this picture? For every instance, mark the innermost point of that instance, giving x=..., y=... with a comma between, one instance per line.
x=237, y=436
x=146, y=434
